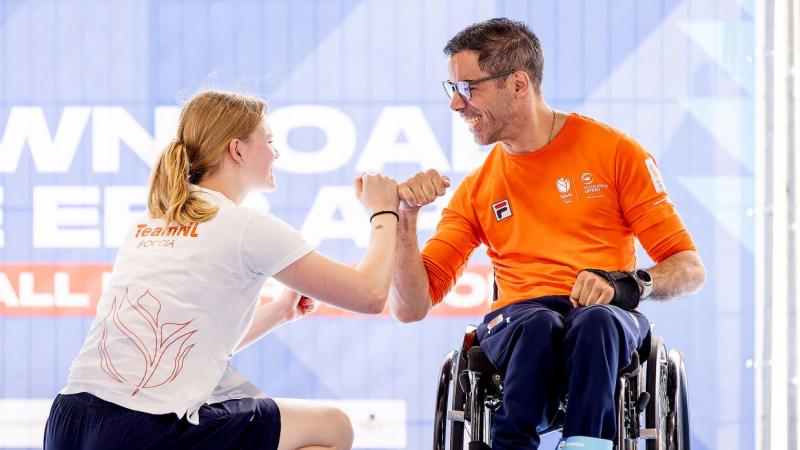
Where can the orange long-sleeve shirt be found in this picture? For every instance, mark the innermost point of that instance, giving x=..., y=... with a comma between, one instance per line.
x=576, y=203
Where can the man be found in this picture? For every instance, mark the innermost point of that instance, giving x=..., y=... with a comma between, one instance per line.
x=557, y=202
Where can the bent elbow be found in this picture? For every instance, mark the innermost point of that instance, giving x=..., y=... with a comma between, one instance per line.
x=408, y=315
x=695, y=273
x=376, y=306
x=701, y=275
x=375, y=302
x=409, y=318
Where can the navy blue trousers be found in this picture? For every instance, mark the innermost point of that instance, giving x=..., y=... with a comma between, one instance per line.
x=545, y=348
x=83, y=421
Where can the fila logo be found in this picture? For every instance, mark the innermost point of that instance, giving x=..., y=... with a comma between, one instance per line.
x=502, y=210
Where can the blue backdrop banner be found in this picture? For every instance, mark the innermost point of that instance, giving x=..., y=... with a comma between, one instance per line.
x=90, y=92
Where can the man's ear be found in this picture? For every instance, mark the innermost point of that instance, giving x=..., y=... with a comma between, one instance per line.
x=234, y=152
x=521, y=82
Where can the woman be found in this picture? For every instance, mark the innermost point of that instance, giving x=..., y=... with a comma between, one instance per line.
x=183, y=293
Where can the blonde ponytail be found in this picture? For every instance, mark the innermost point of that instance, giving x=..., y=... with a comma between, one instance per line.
x=208, y=122
x=170, y=197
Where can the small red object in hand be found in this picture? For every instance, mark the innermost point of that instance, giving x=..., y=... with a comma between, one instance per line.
x=306, y=304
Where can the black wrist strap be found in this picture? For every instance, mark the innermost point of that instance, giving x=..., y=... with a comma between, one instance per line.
x=626, y=289
x=396, y=216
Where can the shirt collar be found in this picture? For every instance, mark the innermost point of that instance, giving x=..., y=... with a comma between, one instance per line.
x=217, y=198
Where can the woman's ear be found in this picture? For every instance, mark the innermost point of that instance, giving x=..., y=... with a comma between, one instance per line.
x=234, y=151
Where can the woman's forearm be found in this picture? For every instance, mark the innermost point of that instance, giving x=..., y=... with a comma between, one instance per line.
x=266, y=318
x=376, y=266
x=363, y=288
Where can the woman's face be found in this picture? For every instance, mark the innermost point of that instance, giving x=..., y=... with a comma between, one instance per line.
x=259, y=156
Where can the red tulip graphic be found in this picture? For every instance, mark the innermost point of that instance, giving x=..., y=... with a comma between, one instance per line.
x=155, y=341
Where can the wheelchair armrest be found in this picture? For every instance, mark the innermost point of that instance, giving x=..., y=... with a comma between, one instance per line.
x=470, y=339
x=633, y=368
x=646, y=347
x=478, y=361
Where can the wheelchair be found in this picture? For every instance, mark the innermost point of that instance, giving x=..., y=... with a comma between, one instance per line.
x=654, y=385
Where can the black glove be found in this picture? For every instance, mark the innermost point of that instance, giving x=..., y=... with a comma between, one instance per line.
x=626, y=289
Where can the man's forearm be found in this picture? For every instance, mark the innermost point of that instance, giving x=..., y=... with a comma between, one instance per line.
x=409, y=300
x=681, y=274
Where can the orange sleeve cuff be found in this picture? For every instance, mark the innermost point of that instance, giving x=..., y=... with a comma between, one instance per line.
x=444, y=270
x=665, y=238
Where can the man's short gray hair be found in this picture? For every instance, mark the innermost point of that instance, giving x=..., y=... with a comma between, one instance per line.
x=502, y=45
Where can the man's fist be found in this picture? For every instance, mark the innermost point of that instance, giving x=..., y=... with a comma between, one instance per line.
x=422, y=189
x=591, y=289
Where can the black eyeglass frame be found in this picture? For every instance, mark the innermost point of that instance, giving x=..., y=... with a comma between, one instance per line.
x=463, y=86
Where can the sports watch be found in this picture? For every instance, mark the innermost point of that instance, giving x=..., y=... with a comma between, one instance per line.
x=645, y=282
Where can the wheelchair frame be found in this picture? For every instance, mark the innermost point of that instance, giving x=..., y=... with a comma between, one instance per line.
x=477, y=392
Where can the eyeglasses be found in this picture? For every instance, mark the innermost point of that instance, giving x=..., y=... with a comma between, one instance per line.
x=462, y=87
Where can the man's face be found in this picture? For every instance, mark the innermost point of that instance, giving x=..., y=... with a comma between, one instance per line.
x=490, y=108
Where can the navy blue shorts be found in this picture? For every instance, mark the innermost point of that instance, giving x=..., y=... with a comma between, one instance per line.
x=83, y=421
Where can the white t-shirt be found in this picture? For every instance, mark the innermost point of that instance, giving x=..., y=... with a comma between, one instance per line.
x=177, y=304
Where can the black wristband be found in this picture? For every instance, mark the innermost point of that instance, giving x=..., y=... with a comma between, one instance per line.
x=396, y=216
x=626, y=289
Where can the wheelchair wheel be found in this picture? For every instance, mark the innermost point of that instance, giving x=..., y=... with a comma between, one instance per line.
x=442, y=395
x=657, y=411
x=678, y=423
x=619, y=399
x=458, y=403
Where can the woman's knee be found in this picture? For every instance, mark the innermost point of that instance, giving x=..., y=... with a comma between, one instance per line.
x=307, y=423
x=344, y=428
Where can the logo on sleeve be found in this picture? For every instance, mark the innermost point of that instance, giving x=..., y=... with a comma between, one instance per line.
x=655, y=176
x=502, y=210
